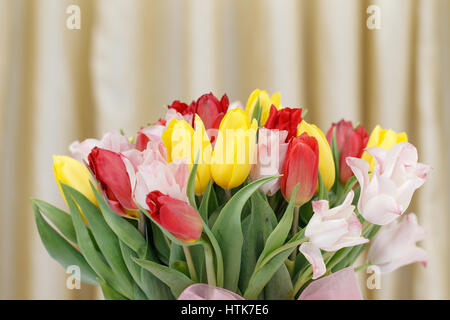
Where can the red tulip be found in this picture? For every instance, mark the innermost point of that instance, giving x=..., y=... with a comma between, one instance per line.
x=110, y=170
x=141, y=141
x=176, y=216
x=211, y=110
x=182, y=107
x=301, y=165
x=208, y=107
x=351, y=142
x=284, y=119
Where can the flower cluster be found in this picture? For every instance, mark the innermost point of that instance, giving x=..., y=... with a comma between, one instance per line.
x=213, y=192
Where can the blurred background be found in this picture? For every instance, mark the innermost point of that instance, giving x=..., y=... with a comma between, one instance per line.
x=131, y=58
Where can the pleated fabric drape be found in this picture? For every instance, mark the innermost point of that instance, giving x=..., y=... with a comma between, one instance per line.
x=133, y=57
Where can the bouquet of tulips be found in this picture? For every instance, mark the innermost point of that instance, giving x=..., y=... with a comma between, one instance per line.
x=217, y=200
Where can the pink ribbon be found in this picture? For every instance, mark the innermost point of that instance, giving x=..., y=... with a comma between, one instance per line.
x=341, y=285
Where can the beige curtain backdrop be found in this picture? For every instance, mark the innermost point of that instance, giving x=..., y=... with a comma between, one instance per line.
x=133, y=57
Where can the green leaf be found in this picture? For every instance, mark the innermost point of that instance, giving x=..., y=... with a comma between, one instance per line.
x=106, y=239
x=176, y=253
x=280, y=286
x=281, y=231
x=154, y=288
x=349, y=185
x=323, y=193
x=61, y=250
x=109, y=293
x=124, y=230
x=160, y=243
x=262, y=277
x=228, y=232
x=270, y=265
x=93, y=257
x=133, y=268
x=336, y=155
x=175, y=280
x=305, y=213
x=209, y=202
x=257, y=111
x=190, y=188
x=181, y=266
x=259, y=224
x=214, y=215
x=60, y=219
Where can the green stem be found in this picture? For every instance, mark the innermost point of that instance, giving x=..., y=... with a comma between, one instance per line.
x=279, y=250
x=227, y=194
x=190, y=264
x=209, y=260
x=141, y=224
x=302, y=280
x=295, y=230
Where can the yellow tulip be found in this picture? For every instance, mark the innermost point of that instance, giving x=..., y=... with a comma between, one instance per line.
x=233, y=153
x=73, y=173
x=265, y=103
x=182, y=141
x=384, y=138
x=326, y=162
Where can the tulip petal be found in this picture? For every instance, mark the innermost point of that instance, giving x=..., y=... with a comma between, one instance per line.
x=360, y=169
x=326, y=233
x=180, y=219
x=314, y=257
x=413, y=254
x=381, y=210
x=340, y=285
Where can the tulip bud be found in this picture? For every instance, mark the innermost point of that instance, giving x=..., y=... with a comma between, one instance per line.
x=211, y=110
x=233, y=153
x=182, y=141
x=113, y=176
x=384, y=138
x=74, y=174
x=265, y=103
x=284, y=119
x=176, y=216
x=351, y=143
x=326, y=162
x=300, y=166
x=394, y=245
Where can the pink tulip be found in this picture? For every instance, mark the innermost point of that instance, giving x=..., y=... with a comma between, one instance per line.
x=147, y=134
x=330, y=230
x=271, y=152
x=395, y=245
x=111, y=140
x=396, y=176
x=168, y=178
